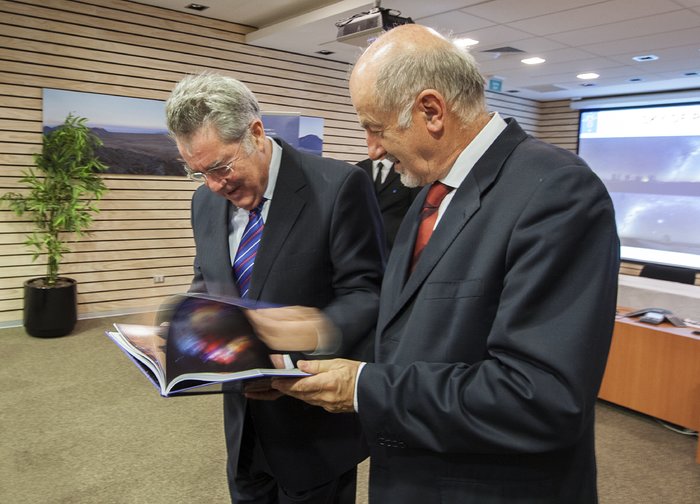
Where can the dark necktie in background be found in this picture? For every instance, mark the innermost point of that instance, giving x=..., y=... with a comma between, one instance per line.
x=378, y=177
x=245, y=255
x=428, y=216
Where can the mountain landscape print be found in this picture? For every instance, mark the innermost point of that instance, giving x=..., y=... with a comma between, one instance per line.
x=135, y=137
x=136, y=141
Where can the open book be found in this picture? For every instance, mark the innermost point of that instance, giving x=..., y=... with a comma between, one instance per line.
x=206, y=341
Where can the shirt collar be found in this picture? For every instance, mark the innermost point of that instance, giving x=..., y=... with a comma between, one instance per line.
x=472, y=152
x=386, y=164
x=275, y=163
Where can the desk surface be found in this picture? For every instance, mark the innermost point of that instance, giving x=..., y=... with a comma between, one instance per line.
x=664, y=326
x=655, y=369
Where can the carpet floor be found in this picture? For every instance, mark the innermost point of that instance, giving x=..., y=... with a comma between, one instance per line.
x=79, y=424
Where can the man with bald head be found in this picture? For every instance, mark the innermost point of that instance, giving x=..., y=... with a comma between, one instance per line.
x=498, y=301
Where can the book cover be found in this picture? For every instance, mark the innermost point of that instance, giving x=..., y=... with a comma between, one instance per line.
x=202, y=341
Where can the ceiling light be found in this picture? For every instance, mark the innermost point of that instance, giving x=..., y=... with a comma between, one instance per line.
x=646, y=57
x=463, y=43
x=196, y=6
x=690, y=74
x=587, y=76
x=587, y=84
x=636, y=79
x=324, y=52
x=533, y=61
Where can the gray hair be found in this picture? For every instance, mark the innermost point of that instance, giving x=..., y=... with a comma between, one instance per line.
x=209, y=99
x=446, y=68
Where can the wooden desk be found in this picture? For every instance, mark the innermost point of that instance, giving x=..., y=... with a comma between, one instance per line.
x=655, y=370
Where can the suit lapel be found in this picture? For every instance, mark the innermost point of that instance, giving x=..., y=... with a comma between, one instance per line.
x=391, y=178
x=464, y=204
x=467, y=199
x=217, y=247
x=399, y=260
x=285, y=207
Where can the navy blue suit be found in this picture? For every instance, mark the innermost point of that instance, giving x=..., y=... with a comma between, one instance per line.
x=321, y=247
x=490, y=354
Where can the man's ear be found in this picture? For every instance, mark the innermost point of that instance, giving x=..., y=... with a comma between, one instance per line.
x=433, y=108
x=258, y=131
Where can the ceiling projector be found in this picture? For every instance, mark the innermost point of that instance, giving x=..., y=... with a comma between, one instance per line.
x=362, y=29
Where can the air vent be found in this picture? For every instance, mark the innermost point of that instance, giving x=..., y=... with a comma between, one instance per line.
x=504, y=50
x=196, y=7
x=545, y=88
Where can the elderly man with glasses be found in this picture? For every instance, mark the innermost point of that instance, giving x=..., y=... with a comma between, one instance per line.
x=305, y=230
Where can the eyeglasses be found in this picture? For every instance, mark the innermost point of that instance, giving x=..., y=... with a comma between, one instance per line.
x=215, y=173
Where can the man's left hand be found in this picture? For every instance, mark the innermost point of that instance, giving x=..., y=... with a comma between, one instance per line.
x=260, y=389
x=332, y=385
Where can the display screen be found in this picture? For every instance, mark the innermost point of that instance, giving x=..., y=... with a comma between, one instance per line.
x=649, y=159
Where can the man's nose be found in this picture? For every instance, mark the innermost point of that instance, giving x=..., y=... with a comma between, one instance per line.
x=215, y=184
x=375, y=149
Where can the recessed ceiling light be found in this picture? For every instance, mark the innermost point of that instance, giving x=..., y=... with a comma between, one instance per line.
x=636, y=79
x=324, y=52
x=588, y=76
x=465, y=42
x=646, y=57
x=690, y=74
x=533, y=61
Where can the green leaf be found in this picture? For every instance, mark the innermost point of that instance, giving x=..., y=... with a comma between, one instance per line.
x=60, y=189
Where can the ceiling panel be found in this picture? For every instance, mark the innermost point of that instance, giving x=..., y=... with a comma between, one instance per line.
x=663, y=23
x=592, y=16
x=455, y=21
x=572, y=35
x=507, y=11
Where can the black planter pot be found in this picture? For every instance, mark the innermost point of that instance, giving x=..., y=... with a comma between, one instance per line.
x=50, y=312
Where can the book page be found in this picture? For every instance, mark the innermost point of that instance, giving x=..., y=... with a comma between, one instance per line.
x=205, y=340
x=208, y=337
x=148, y=340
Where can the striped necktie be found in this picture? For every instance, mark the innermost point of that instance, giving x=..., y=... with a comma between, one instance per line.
x=428, y=217
x=245, y=255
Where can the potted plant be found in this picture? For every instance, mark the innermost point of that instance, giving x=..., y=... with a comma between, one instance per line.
x=61, y=192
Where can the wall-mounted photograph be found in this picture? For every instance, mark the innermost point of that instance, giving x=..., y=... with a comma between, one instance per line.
x=133, y=130
x=135, y=137
x=304, y=133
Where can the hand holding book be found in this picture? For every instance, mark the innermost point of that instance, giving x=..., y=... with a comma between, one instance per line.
x=208, y=340
x=294, y=329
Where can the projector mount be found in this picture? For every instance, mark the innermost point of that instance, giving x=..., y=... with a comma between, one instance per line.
x=363, y=27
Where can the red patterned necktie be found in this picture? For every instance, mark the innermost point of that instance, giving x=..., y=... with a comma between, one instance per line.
x=428, y=216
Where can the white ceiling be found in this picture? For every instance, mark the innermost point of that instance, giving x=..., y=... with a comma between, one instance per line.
x=574, y=36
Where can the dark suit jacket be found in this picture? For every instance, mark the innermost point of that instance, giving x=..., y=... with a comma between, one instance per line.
x=394, y=200
x=321, y=247
x=490, y=355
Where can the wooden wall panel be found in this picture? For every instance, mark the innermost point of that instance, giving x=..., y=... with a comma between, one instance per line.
x=558, y=124
x=121, y=48
x=525, y=111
